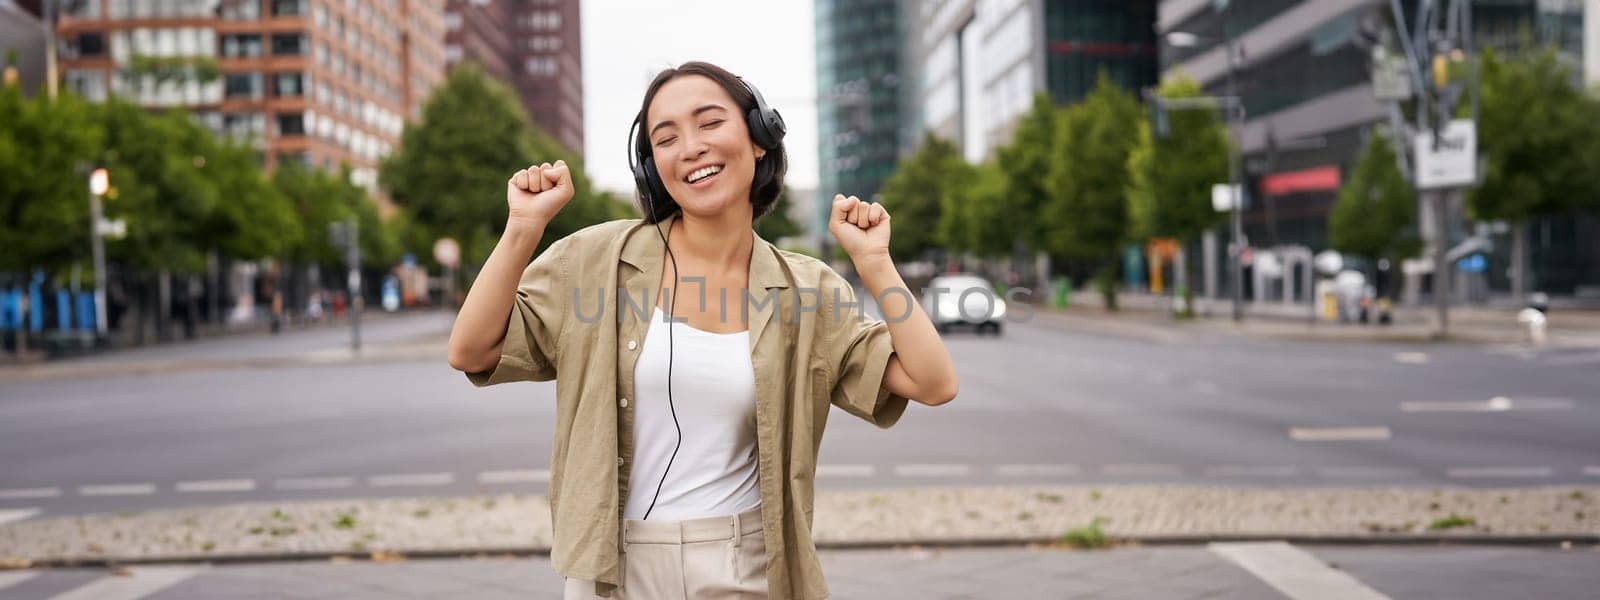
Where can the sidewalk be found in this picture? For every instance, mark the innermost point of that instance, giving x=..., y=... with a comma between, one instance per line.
x=1141, y=314
x=1234, y=571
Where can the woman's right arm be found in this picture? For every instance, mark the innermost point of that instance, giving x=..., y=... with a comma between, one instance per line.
x=534, y=196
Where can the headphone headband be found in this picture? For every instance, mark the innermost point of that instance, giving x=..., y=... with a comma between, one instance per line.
x=766, y=129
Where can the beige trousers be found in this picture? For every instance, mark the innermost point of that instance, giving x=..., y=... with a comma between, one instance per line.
x=714, y=558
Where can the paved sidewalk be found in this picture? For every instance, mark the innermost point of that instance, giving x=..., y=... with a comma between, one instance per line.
x=1244, y=572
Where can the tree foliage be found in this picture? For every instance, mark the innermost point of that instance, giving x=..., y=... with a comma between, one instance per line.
x=1541, y=135
x=922, y=185
x=1170, y=181
x=1376, y=207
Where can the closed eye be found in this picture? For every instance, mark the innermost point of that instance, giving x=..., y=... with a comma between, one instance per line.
x=711, y=124
x=664, y=141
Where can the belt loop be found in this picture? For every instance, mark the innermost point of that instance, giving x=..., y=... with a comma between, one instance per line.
x=738, y=531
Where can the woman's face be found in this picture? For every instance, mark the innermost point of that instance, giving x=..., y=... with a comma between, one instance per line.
x=701, y=147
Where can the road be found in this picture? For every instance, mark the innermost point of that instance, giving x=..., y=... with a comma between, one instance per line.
x=1045, y=403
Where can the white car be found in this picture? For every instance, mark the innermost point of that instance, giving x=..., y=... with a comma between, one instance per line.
x=953, y=300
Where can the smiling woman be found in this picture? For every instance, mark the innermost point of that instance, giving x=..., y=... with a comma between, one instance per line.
x=687, y=434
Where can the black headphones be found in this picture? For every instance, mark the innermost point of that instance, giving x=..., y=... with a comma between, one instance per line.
x=766, y=130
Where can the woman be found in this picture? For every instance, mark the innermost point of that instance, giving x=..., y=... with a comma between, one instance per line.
x=685, y=447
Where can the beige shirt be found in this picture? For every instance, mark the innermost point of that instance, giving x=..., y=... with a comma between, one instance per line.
x=809, y=344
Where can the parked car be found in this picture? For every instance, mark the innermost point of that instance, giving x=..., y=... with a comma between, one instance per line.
x=963, y=300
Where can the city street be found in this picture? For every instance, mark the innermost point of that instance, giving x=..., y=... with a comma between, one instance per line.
x=1044, y=403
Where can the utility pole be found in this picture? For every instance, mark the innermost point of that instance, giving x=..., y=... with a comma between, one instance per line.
x=99, y=182
x=347, y=234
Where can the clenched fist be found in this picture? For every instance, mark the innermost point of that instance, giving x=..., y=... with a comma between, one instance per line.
x=537, y=193
x=862, y=228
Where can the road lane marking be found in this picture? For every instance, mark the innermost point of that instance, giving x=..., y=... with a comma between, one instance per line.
x=843, y=471
x=118, y=489
x=1498, y=472
x=1411, y=358
x=11, y=578
x=411, y=480
x=1338, y=434
x=314, y=483
x=1141, y=470
x=1495, y=404
x=1294, y=572
x=17, y=514
x=515, y=476
x=1592, y=470
x=20, y=493
x=139, y=582
x=932, y=470
x=1365, y=472
x=1252, y=471
x=217, y=485
x=1036, y=470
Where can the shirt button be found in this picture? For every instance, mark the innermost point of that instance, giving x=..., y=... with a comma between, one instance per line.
x=623, y=403
x=632, y=344
x=619, y=461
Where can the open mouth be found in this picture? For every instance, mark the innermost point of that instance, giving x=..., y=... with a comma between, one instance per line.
x=703, y=176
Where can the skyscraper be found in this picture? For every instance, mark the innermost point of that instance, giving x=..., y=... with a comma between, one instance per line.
x=535, y=46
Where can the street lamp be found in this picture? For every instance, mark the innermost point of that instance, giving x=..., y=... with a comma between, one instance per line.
x=99, y=183
x=1236, y=113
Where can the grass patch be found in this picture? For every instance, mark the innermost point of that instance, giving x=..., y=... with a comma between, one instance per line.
x=1087, y=537
x=345, y=521
x=1451, y=522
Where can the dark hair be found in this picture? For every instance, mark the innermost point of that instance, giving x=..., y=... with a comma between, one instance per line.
x=770, y=169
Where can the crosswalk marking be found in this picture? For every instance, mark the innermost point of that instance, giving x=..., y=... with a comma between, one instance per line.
x=118, y=489
x=1364, y=472
x=138, y=582
x=1036, y=470
x=515, y=476
x=218, y=485
x=1136, y=470
x=1491, y=472
x=11, y=578
x=841, y=471
x=21, y=493
x=414, y=479
x=17, y=514
x=1338, y=434
x=935, y=470
x=314, y=483
x=1295, y=572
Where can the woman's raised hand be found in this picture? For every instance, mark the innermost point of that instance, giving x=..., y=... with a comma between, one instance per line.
x=537, y=193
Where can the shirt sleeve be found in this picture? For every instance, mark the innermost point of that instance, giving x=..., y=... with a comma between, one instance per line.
x=532, y=333
x=858, y=351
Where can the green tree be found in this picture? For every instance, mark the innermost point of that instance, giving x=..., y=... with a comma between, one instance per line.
x=44, y=203
x=1025, y=164
x=1540, y=134
x=449, y=173
x=1088, y=215
x=1376, y=208
x=917, y=192
x=1172, y=176
x=156, y=163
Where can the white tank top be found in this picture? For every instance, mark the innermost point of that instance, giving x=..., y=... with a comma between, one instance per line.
x=714, y=393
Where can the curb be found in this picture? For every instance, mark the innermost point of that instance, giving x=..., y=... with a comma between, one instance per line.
x=1112, y=543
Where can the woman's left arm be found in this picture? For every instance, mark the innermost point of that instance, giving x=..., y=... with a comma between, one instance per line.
x=920, y=368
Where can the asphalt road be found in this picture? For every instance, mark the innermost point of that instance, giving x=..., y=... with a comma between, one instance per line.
x=1044, y=403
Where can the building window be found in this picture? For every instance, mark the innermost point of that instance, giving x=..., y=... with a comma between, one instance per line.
x=243, y=124
x=288, y=8
x=91, y=44
x=291, y=124
x=237, y=10
x=241, y=45
x=242, y=85
x=89, y=84
x=289, y=84
x=288, y=44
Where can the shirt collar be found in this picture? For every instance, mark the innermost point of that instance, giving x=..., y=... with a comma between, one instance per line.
x=643, y=251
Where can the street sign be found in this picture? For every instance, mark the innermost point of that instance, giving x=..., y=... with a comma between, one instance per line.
x=1391, y=79
x=447, y=252
x=1453, y=161
x=1222, y=196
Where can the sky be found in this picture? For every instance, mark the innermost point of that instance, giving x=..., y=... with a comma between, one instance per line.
x=626, y=42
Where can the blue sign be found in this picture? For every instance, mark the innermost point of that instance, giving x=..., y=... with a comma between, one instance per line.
x=1475, y=263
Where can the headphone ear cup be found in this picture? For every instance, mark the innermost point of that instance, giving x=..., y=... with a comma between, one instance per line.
x=653, y=186
x=759, y=132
